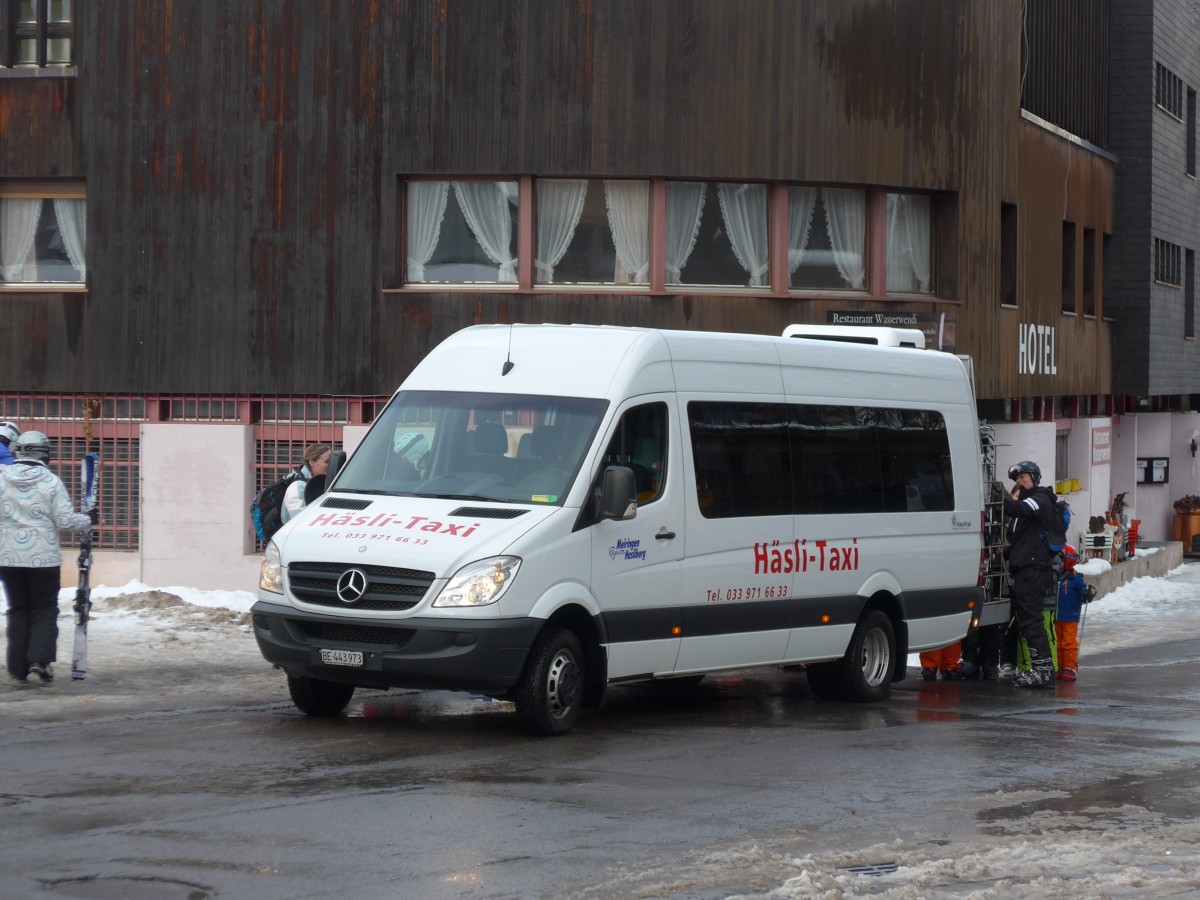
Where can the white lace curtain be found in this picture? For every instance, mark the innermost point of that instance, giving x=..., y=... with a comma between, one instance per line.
x=846, y=212
x=485, y=206
x=685, y=203
x=72, y=225
x=744, y=209
x=802, y=201
x=18, y=228
x=426, y=211
x=628, y=204
x=559, y=206
x=908, y=242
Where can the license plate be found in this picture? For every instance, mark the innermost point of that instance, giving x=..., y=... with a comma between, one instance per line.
x=342, y=657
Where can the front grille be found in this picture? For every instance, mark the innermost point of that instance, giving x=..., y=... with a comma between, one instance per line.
x=359, y=634
x=387, y=588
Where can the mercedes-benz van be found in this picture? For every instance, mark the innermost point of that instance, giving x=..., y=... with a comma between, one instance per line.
x=544, y=510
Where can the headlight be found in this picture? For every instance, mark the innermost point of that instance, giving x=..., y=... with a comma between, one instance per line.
x=479, y=583
x=270, y=575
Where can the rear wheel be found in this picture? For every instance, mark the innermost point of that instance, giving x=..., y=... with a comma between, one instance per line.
x=865, y=672
x=550, y=692
x=315, y=697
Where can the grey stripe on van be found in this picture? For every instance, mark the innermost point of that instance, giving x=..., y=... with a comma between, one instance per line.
x=773, y=615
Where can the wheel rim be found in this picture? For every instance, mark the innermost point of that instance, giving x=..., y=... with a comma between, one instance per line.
x=876, y=659
x=562, y=684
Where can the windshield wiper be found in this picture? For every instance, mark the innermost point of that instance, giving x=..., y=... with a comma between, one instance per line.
x=342, y=490
x=461, y=497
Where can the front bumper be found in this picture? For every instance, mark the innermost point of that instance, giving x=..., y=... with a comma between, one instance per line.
x=483, y=655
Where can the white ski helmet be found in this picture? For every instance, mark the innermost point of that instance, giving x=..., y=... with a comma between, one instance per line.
x=32, y=445
x=9, y=432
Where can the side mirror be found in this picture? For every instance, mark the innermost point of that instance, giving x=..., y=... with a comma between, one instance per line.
x=337, y=459
x=618, y=494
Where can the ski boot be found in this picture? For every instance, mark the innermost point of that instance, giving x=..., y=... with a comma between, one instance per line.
x=1040, y=676
x=1067, y=675
x=929, y=674
x=968, y=671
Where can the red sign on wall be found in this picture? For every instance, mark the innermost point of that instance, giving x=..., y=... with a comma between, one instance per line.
x=1102, y=446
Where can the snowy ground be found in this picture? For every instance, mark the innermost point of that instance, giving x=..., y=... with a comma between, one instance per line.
x=153, y=650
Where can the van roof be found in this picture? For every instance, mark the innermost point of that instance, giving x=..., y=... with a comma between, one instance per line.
x=619, y=361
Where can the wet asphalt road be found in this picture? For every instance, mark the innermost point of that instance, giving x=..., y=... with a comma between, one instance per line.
x=660, y=794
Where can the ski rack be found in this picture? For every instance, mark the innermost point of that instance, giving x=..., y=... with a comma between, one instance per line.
x=995, y=536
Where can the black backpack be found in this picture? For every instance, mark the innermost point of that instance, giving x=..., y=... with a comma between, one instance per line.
x=1055, y=537
x=265, y=509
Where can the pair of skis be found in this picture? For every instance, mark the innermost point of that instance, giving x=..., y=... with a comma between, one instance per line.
x=89, y=477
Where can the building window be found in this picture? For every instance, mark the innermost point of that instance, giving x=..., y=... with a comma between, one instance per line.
x=592, y=232
x=1008, y=254
x=1190, y=124
x=716, y=234
x=35, y=33
x=1189, y=294
x=1089, y=271
x=43, y=235
x=1068, y=267
x=584, y=232
x=1168, y=90
x=909, y=229
x=827, y=239
x=1061, y=442
x=462, y=232
x=1167, y=258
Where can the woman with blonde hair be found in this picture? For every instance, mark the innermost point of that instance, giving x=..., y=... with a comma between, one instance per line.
x=316, y=464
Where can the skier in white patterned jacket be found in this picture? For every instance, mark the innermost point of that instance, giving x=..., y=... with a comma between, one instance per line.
x=34, y=506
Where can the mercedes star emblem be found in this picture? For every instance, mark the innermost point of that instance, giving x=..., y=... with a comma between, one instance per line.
x=352, y=585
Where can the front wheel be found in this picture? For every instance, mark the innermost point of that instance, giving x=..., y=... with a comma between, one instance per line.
x=550, y=691
x=315, y=697
x=865, y=672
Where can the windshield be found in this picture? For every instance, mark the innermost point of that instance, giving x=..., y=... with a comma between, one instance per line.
x=504, y=447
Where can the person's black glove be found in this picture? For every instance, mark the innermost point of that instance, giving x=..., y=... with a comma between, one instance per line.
x=94, y=515
x=1089, y=595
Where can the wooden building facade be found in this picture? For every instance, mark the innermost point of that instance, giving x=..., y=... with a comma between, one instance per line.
x=244, y=169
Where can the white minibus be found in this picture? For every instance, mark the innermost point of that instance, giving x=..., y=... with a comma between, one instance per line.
x=545, y=510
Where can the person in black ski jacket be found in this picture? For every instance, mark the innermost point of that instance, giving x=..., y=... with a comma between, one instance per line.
x=1030, y=509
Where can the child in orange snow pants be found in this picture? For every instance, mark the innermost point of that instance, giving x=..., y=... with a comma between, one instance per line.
x=944, y=660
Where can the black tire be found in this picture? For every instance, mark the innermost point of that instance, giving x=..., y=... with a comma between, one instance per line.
x=549, y=693
x=864, y=674
x=824, y=680
x=315, y=697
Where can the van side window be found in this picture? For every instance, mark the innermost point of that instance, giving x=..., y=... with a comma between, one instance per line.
x=915, y=458
x=834, y=459
x=740, y=451
x=640, y=442
x=863, y=459
x=836, y=455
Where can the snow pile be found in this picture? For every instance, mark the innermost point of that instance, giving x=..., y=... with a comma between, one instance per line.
x=1092, y=852
x=151, y=649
